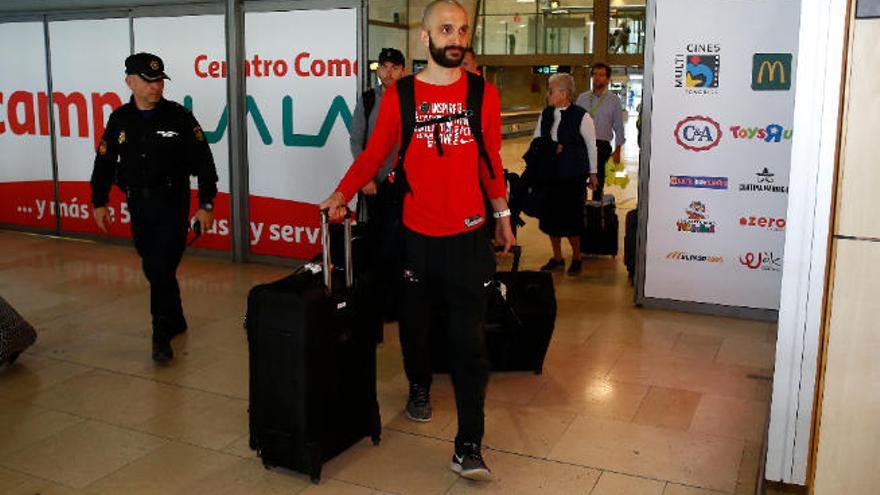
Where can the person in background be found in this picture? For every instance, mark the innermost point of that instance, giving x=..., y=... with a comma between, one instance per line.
x=574, y=168
x=469, y=62
x=604, y=107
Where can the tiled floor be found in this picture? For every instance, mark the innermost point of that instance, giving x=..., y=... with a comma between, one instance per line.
x=631, y=401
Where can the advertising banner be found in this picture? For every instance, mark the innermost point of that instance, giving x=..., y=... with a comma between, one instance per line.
x=302, y=85
x=723, y=105
x=88, y=77
x=26, y=187
x=187, y=45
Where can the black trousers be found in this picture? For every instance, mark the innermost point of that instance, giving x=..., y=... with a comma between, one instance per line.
x=384, y=238
x=445, y=277
x=159, y=224
x=603, y=153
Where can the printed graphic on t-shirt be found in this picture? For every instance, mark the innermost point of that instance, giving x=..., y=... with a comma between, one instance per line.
x=454, y=133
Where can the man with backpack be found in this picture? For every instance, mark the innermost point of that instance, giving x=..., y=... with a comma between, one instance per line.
x=375, y=199
x=447, y=123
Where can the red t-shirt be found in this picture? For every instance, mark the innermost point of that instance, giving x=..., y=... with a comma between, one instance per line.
x=446, y=197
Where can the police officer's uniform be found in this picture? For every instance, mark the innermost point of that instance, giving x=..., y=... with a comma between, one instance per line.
x=150, y=155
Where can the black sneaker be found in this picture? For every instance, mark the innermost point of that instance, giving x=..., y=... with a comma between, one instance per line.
x=552, y=265
x=574, y=268
x=162, y=352
x=418, y=407
x=468, y=463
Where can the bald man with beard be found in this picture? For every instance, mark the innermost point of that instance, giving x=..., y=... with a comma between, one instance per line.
x=448, y=259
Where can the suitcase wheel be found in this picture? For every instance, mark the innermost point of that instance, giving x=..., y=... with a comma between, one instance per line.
x=266, y=465
x=376, y=439
x=315, y=476
x=10, y=359
x=539, y=371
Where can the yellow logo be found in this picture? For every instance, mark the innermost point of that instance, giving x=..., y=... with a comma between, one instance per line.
x=771, y=67
x=154, y=64
x=121, y=137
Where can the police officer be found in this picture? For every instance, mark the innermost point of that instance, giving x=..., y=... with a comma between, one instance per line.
x=150, y=148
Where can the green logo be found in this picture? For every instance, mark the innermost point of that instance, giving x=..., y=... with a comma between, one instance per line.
x=771, y=72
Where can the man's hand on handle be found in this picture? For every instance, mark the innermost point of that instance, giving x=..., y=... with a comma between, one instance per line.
x=335, y=204
x=102, y=217
x=205, y=218
x=504, y=234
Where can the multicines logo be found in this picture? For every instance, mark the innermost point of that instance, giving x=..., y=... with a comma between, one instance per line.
x=697, y=70
x=696, y=222
x=698, y=182
x=773, y=133
x=775, y=224
x=701, y=258
x=764, y=261
x=698, y=133
x=765, y=183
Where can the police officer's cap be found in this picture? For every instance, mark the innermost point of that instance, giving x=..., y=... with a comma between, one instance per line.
x=146, y=65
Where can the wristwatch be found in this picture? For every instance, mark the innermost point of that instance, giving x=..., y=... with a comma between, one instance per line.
x=502, y=213
x=206, y=206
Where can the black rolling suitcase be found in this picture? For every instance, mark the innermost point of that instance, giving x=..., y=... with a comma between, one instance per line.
x=519, y=323
x=600, y=227
x=629, y=242
x=16, y=334
x=312, y=365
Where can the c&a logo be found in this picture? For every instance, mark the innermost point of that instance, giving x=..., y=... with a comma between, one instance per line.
x=697, y=133
x=773, y=133
x=764, y=261
x=696, y=222
x=769, y=223
x=699, y=258
x=697, y=71
x=771, y=71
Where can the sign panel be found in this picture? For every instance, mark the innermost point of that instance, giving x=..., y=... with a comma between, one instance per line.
x=26, y=188
x=723, y=106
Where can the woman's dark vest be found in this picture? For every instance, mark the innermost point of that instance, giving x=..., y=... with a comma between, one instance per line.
x=573, y=161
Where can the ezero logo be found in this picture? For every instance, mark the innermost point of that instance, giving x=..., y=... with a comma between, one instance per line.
x=773, y=133
x=698, y=182
x=698, y=133
x=771, y=71
x=775, y=224
x=761, y=260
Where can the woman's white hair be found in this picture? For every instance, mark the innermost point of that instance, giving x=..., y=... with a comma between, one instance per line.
x=565, y=81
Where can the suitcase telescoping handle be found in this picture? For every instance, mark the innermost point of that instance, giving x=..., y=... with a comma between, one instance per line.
x=327, y=268
x=516, y=251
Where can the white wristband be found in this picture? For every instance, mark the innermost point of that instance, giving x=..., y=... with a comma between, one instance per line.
x=501, y=214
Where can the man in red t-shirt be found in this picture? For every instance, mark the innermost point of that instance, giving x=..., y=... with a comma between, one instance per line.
x=447, y=257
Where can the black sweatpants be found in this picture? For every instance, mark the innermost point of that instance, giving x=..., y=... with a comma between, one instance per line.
x=603, y=153
x=449, y=274
x=159, y=224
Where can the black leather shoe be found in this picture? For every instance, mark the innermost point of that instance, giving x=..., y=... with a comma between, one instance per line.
x=162, y=352
x=575, y=267
x=552, y=265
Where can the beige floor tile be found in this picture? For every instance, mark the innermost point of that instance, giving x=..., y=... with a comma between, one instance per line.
x=748, y=468
x=23, y=424
x=530, y=431
x=697, y=347
x=731, y=417
x=403, y=463
x=673, y=489
x=114, y=398
x=518, y=475
x=335, y=487
x=240, y=447
x=28, y=485
x=596, y=397
x=444, y=413
x=692, y=459
x=82, y=454
x=621, y=484
x=205, y=420
x=32, y=374
x=514, y=387
x=668, y=408
x=228, y=376
x=747, y=351
x=184, y=469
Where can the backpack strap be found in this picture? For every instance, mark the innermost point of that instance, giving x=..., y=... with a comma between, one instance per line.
x=406, y=100
x=369, y=99
x=474, y=102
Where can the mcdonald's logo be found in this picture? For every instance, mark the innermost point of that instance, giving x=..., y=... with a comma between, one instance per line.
x=771, y=72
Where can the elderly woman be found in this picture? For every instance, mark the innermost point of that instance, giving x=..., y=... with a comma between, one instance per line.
x=570, y=127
